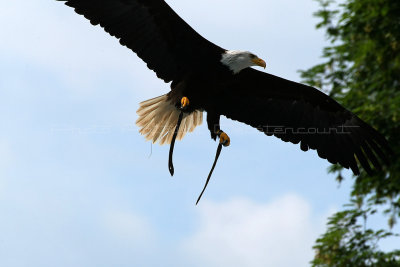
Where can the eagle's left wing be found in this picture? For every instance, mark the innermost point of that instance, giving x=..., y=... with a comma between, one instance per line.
x=299, y=113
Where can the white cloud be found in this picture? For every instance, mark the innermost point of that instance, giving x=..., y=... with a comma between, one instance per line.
x=239, y=15
x=130, y=227
x=243, y=233
x=53, y=37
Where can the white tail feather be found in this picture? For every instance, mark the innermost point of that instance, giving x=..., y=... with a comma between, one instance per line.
x=158, y=118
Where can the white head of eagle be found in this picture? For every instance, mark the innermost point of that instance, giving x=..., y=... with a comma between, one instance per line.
x=239, y=60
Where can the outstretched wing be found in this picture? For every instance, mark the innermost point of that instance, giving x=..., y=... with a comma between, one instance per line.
x=153, y=31
x=301, y=114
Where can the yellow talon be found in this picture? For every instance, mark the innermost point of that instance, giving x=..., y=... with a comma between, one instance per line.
x=224, y=139
x=184, y=102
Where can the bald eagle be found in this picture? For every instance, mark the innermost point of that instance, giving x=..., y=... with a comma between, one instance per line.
x=207, y=78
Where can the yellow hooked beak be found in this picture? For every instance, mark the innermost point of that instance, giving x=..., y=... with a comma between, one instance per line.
x=259, y=62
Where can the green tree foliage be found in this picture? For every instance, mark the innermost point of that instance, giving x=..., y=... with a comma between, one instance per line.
x=361, y=70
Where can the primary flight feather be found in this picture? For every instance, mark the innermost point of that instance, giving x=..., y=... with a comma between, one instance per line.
x=207, y=78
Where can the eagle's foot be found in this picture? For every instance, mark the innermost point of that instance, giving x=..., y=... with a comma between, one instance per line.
x=223, y=138
x=184, y=102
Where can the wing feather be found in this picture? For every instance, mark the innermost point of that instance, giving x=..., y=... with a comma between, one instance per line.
x=153, y=31
x=302, y=114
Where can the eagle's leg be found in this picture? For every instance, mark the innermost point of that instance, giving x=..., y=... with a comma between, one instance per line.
x=215, y=130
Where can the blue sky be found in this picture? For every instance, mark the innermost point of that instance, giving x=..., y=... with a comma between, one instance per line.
x=78, y=186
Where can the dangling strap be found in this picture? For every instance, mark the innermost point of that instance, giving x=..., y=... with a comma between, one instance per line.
x=171, y=148
x=211, y=171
